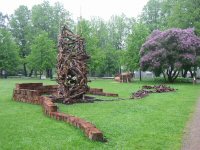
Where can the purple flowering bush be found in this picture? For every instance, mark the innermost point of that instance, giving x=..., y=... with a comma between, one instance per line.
x=169, y=52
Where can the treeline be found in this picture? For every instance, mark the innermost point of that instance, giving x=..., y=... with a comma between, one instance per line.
x=29, y=37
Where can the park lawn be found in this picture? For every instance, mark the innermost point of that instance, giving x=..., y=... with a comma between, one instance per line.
x=155, y=122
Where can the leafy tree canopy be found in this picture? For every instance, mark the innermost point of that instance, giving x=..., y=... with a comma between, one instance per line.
x=21, y=30
x=9, y=59
x=43, y=54
x=135, y=40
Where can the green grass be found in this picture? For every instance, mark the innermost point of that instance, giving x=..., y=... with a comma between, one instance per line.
x=155, y=122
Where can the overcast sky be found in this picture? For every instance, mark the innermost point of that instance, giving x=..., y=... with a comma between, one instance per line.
x=88, y=8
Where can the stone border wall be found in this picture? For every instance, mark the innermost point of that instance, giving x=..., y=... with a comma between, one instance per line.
x=32, y=93
x=96, y=91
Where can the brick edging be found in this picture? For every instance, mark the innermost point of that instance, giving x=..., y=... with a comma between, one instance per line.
x=31, y=93
x=97, y=91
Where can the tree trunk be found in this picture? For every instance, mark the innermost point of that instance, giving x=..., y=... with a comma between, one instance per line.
x=140, y=75
x=175, y=76
x=25, y=70
x=164, y=75
x=31, y=73
x=184, y=73
x=50, y=73
x=133, y=74
x=170, y=79
x=120, y=70
x=192, y=75
x=172, y=75
x=47, y=73
x=5, y=75
x=40, y=74
x=35, y=73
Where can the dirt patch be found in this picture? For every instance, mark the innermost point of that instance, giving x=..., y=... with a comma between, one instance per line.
x=191, y=139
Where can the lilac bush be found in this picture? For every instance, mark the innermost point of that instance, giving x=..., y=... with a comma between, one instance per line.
x=170, y=52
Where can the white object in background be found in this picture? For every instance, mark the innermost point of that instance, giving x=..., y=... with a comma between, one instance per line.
x=43, y=77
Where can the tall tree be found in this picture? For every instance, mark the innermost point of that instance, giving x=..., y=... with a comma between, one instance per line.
x=119, y=28
x=84, y=29
x=135, y=40
x=43, y=53
x=42, y=17
x=121, y=57
x=61, y=17
x=111, y=62
x=50, y=18
x=154, y=15
x=95, y=34
x=102, y=41
x=185, y=14
x=3, y=19
x=9, y=59
x=99, y=29
x=21, y=28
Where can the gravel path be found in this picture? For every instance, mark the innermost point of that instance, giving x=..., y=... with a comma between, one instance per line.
x=192, y=136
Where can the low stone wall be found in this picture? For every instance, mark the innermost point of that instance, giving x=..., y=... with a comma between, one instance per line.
x=96, y=91
x=32, y=93
x=32, y=86
x=27, y=95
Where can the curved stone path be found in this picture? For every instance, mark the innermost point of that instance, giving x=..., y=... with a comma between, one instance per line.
x=191, y=140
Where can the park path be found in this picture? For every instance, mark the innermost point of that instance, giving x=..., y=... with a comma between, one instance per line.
x=191, y=139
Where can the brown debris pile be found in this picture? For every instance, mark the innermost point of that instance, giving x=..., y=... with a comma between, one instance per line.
x=146, y=90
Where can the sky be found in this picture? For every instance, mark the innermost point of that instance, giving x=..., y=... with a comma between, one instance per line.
x=87, y=8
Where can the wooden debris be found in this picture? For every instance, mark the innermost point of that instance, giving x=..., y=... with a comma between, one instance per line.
x=146, y=90
x=124, y=77
x=71, y=66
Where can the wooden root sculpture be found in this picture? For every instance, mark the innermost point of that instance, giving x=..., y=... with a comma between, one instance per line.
x=71, y=67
